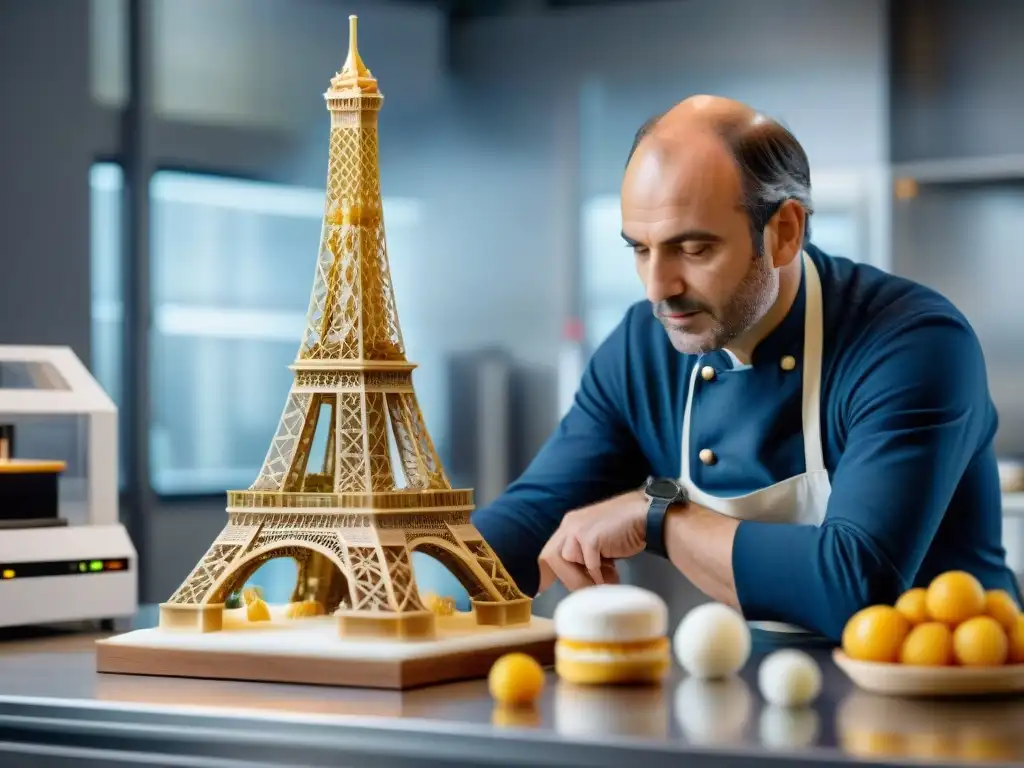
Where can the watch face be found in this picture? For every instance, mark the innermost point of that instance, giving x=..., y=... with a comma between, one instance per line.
x=661, y=488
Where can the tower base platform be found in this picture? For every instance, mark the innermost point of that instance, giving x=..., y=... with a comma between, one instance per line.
x=309, y=651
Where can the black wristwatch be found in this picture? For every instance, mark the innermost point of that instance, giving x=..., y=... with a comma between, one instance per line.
x=662, y=493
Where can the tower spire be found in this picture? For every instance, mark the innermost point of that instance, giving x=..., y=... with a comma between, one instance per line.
x=354, y=73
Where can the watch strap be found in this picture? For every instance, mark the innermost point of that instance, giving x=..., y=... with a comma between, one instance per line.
x=655, y=533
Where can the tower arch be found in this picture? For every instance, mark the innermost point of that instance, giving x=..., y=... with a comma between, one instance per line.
x=302, y=551
x=460, y=564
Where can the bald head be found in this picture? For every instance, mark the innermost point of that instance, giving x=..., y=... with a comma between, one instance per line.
x=765, y=158
x=697, y=113
x=705, y=112
x=715, y=201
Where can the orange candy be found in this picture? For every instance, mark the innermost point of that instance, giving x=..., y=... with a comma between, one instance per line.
x=913, y=605
x=875, y=633
x=980, y=642
x=1001, y=607
x=952, y=621
x=929, y=644
x=954, y=597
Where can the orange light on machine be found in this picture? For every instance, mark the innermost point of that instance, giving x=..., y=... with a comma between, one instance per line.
x=113, y=565
x=8, y=573
x=905, y=188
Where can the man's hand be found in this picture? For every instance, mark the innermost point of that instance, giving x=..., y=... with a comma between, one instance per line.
x=583, y=550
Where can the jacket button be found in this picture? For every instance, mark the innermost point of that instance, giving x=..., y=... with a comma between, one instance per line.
x=788, y=363
x=708, y=456
x=707, y=373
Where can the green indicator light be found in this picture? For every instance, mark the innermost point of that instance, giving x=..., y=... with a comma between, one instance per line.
x=96, y=565
x=82, y=567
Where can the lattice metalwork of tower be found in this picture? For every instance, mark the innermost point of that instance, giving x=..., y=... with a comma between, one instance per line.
x=344, y=516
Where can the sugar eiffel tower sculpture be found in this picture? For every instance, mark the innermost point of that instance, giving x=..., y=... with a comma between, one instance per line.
x=344, y=519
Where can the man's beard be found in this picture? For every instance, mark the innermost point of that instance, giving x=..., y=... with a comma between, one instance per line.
x=753, y=298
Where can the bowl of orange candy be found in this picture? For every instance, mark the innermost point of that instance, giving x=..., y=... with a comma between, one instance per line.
x=951, y=638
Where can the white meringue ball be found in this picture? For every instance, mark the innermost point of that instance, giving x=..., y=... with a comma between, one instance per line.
x=712, y=641
x=789, y=678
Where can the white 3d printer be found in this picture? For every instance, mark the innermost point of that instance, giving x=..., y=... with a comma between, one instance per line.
x=64, y=555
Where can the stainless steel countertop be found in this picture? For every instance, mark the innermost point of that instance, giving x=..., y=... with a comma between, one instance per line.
x=50, y=693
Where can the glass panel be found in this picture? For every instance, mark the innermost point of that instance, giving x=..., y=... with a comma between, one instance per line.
x=108, y=52
x=837, y=233
x=246, y=63
x=610, y=282
x=602, y=319
x=232, y=267
x=106, y=182
x=21, y=374
x=609, y=270
x=106, y=185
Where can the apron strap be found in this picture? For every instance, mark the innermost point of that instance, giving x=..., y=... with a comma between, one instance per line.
x=813, y=349
x=685, y=474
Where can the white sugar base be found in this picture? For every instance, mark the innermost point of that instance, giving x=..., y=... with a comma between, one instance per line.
x=317, y=637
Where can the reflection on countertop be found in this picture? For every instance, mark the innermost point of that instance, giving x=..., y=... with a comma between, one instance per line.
x=685, y=713
x=713, y=713
x=982, y=730
x=635, y=712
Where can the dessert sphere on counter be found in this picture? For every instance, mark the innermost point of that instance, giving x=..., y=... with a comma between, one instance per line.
x=712, y=641
x=789, y=678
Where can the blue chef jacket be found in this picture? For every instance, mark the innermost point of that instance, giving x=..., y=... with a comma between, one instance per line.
x=907, y=431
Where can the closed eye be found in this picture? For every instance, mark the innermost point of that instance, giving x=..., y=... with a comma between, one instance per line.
x=695, y=249
x=687, y=249
x=693, y=243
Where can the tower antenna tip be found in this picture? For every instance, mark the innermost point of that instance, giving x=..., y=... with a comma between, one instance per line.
x=354, y=72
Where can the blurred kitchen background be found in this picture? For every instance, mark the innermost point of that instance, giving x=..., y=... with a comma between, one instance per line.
x=163, y=162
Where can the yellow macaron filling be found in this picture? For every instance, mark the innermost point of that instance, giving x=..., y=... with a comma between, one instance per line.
x=637, y=647
x=587, y=662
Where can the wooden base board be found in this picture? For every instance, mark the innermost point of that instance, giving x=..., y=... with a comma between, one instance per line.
x=309, y=651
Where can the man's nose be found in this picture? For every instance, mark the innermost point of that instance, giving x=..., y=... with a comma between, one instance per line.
x=664, y=279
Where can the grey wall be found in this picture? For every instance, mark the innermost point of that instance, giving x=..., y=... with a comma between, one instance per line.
x=47, y=141
x=956, y=79
x=964, y=241
x=958, y=103
x=821, y=66
x=245, y=62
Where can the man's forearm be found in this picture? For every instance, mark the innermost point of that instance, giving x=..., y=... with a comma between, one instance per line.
x=699, y=544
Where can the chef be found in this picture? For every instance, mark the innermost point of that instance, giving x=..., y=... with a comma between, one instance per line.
x=800, y=435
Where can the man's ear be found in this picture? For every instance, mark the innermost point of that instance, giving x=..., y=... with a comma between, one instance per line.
x=784, y=234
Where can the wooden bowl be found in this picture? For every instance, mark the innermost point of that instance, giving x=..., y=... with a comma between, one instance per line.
x=905, y=680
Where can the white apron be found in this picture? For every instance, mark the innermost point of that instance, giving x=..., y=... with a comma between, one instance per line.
x=800, y=499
